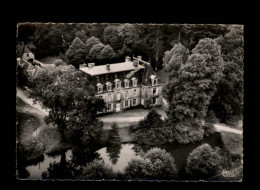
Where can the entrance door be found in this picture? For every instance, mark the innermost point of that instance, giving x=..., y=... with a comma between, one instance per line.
x=117, y=107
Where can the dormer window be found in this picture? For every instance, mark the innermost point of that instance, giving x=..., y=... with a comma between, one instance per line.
x=99, y=87
x=134, y=82
x=117, y=83
x=154, y=80
x=126, y=81
x=109, y=86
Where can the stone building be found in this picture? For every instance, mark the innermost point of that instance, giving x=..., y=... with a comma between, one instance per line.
x=125, y=85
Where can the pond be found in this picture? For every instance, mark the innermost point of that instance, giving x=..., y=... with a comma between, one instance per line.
x=119, y=157
x=36, y=170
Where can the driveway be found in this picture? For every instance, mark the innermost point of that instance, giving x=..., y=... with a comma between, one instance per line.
x=128, y=117
x=223, y=127
x=34, y=109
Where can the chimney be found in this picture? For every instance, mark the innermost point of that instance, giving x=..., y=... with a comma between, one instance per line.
x=127, y=59
x=139, y=57
x=135, y=63
x=91, y=65
x=108, y=67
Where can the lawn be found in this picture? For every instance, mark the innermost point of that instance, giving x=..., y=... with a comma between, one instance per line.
x=232, y=142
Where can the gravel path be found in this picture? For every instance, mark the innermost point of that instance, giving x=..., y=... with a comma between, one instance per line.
x=223, y=127
x=34, y=109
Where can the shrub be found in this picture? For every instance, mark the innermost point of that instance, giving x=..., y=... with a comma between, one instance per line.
x=59, y=62
x=204, y=162
x=155, y=164
x=136, y=169
x=97, y=170
x=152, y=130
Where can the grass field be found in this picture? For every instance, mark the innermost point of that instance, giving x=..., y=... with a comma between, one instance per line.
x=232, y=142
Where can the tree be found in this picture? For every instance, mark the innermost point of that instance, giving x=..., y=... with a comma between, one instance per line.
x=81, y=34
x=193, y=85
x=228, y=100
x=155, y=164
x=48, y=40
x=95, y=52
x=97, y=170
x=204, y=162
x=152, y=130
x=76, y=53
x=111, y=37
x=107, y=54
x=66, y=93
x=173, y=60
x=90, y=43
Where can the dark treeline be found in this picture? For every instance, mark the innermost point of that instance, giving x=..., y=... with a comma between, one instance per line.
x=116, y=40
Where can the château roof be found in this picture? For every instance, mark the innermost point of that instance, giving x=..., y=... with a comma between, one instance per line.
x=114, y=68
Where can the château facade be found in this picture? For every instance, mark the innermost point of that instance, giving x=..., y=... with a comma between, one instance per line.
x=125, y=85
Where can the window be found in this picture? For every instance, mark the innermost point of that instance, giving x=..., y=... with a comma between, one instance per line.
x=126, y=81
x=134, y=101
x=134, y=81
x=155, y=82
x=109, y=97
x=118, y=96
x=134, y=92
x=154, y=100
x=126, y=103
x=117, y=83
x=126, y=84
x=109, y=107
x=99, y=87
x=154, y=90
x=126, y=94
x=109, y=87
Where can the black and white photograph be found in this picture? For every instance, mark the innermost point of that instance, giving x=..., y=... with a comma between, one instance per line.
x=129, y=102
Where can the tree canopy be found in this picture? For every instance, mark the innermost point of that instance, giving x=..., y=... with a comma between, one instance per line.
x=76, y=53
x=204, y=162
x=193, y=85
x=228, y=100
x=66, y=93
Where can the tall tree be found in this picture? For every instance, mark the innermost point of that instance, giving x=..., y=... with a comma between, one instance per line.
x=81, y=34
x=111, y=37
x=173, y=60
x=64, y=91
x=47, y=40
x=95, y=53
x=193, y=88
x=76, y=53
x=228, y=100
x=90, y=43
x=107, y=54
